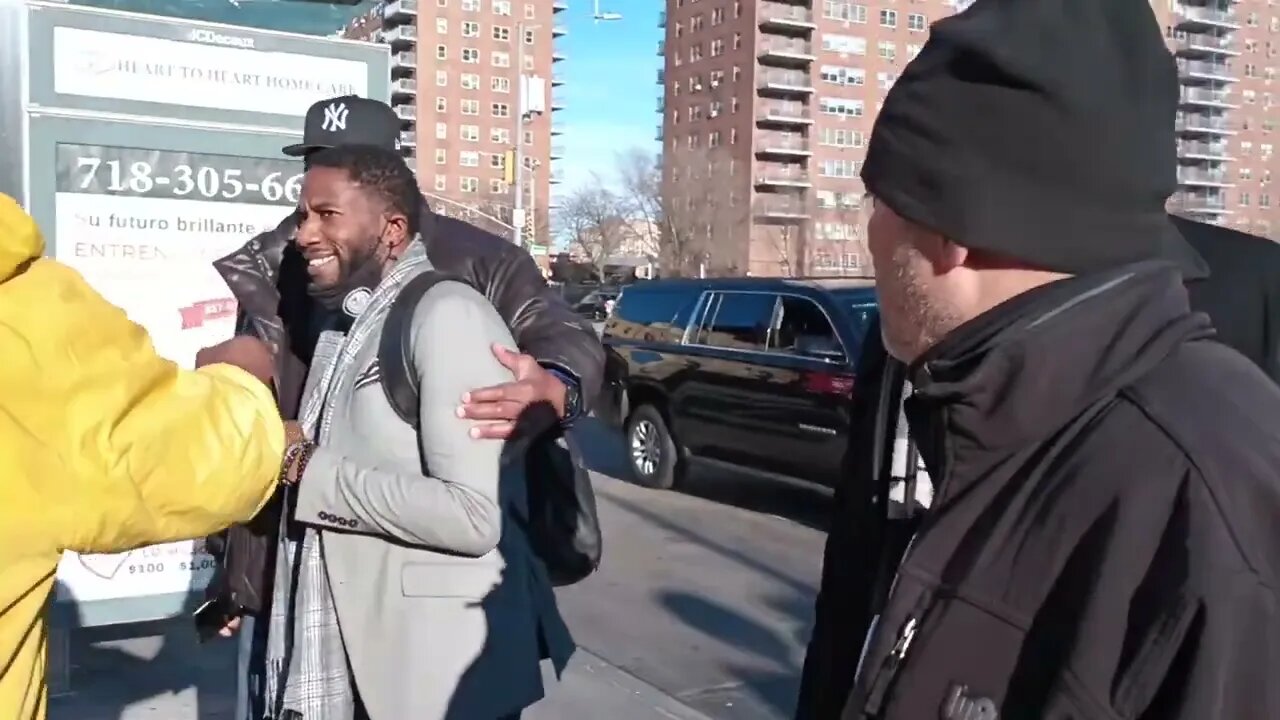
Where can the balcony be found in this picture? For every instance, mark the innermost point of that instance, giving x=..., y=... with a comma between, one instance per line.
x=557, y=80
x=790, y=51
x=559, y=6
x=778, y=16
x=783, y=113
x=662, y=19
x=401, y=36
x=404, y=61
x=662, y=48
x=1192, y=18
x=1186, y=201
x=1206, y=97
x=1203, y=178
x=1201, y=70
x=557, y=56
x=559, y=31
x=1203, y=124
x=1204, y=45
x=662, y=77
x=404, y=88
x=400, y=11
x=784, y=81
x=782, y=207
x=1199, y=150
x=780, y=143
x=782, y=175
x=555, y=177
x=408, y=139
x=658, y=135
x=557, y=152
x=407, y=113
x=557, y=103
x=662, y=103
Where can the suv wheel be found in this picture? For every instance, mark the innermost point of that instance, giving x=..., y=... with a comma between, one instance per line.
x=651, y=451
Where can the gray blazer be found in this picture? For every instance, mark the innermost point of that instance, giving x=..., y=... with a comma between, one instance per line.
x=444, y=610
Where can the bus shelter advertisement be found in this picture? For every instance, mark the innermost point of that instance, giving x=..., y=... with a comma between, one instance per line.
x=143, y=227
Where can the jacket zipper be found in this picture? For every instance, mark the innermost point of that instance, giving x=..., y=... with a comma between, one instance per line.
x=878, y=692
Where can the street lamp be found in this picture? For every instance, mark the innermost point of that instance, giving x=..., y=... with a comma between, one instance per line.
x=598, y=16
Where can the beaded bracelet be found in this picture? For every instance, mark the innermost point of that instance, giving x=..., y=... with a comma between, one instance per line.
x=303, y=459
x=290, y=457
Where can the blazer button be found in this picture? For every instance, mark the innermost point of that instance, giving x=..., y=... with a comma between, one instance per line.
x=325, y=516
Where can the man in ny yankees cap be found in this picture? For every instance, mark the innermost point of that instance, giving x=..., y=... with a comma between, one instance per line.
x=559, y=363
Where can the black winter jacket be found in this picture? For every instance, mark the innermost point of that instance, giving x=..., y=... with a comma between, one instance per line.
x=268, y=278
x=1102, y=541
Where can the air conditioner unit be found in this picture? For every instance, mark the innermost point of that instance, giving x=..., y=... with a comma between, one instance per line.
x=715, y=84
x=714, y=113
x=697, y=87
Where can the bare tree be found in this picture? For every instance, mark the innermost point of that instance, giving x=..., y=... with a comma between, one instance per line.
x=697, y=204
x=596, y=223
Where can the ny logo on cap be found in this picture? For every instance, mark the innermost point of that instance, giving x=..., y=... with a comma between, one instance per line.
x=335, y=117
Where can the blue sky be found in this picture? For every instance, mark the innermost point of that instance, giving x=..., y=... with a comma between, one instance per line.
x=610, y=93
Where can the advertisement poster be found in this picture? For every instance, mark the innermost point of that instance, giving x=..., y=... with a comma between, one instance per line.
x=143, y=227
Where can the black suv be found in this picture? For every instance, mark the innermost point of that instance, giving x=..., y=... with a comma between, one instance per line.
x=754, y=373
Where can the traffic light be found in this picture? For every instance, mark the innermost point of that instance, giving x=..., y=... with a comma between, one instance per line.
x=509, y=167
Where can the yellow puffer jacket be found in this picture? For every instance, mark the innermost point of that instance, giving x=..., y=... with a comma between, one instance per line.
x=104, y=445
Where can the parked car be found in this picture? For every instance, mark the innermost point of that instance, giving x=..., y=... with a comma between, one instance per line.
x=750, y=373
x=595, y=306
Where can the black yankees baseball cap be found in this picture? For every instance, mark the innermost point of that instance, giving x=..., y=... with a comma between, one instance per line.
x=347, y=120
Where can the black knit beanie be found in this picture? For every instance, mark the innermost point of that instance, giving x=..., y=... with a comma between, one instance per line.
x=1040, y=130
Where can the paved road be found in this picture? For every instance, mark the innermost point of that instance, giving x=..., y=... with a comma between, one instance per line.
x=701, y=610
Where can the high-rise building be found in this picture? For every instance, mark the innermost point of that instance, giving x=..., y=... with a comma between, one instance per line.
x=456, y=74
x=767, y=106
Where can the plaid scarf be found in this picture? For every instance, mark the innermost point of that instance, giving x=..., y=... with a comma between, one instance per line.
x=307, y=671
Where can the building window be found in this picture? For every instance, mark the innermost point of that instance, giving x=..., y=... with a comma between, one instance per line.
x=442, y=156
x=844, y=10
x=469, y=158
x=713, y=140
x=470, y=81
x=471, y=29
x=500, y=110
x=501, y=33
x=502, y=136
x=442, y=131
x=887, y=50
x=841, y=137
x=530, y=11
x=441, y=182
x=846, y=44
x=717, y=47
x=1244, y=199
x=497, y=161
x=717, y=16
x=471, y=5
x=528, y=137
x=916, y=22
x=889, y=18
x=839, y=75
x=913, y=49
x=442, y=52
x=442, y=26
x=470, y=107
x=500, y=59
x=442, y=105
x=737, y=40
x=500, y=84
x=841, y=107
x=695, y=23
x=469, y=184
x=886, y=80
x=529, y=36
x=838, y=168
x=695, y=52
x=498, y=187
x=528, y=62
x=470, y=56
x=470, y=133
x=502, y=7
x=442, y=78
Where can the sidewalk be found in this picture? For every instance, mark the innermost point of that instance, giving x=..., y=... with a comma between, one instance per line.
x=172, y=677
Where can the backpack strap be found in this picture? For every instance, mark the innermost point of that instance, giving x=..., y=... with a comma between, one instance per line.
x=397, y=374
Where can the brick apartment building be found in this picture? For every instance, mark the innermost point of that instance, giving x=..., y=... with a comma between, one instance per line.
x=455, y=77
x=767, y=106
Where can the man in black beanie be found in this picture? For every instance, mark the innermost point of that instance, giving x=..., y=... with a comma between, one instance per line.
x=1102, y=541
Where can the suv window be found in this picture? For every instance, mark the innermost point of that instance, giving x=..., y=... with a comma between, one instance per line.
x=654, y=315
x=740, y=321
x=805, y=330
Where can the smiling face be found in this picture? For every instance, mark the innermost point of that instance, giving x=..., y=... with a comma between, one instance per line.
x=343, y=226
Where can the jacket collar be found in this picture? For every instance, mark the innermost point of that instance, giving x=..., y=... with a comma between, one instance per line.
x=1023, y=370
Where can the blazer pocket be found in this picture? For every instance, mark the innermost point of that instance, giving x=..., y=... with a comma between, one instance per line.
x=449, y=580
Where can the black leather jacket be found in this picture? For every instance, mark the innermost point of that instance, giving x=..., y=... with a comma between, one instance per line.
x=268, y=278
